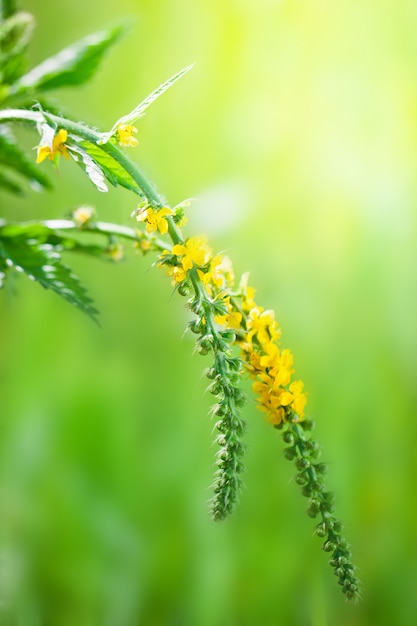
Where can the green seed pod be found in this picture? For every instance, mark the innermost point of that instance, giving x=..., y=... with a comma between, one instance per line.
x=196, y=326
x=302, y=463
x=328, y=546
x=288, y=437
x=301, y=479
x=321, y=530
x=211, y=373
x=313, y=507
x=228, y=335
x=206, y=342
x=183, y=289
x=307, y=491
x=338, y=527
x=307, y=425
x=290, y=453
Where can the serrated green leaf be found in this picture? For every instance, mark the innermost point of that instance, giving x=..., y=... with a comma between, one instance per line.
x=72, y=66
x=8, y=183
x=139, y=110
x=11, y=156
x=42, y=262
x=90, y=167
x=43, y=234
x=15, y=34
x=7, y=8
x=113, y=171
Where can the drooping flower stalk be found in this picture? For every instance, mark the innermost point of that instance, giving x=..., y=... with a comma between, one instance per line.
x=239, y=335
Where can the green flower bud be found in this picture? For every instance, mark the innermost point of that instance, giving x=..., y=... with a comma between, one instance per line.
x=301, y=479
x=328, y=546
x=307, y=425
x=302, y=463
x=313, y=507
x=183, y=289
x=290, y=453
x=288, y=437
x=321, y=530
x=211, y=373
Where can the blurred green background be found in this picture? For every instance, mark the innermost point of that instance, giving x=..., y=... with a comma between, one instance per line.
x=296, y=131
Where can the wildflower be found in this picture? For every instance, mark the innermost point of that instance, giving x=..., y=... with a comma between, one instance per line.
x=155, y=219
x=125, y=134
x=83, y=215
x=115, y=252
x=53, y=151
x=262, y=324
x=295, y=397
x=194, y=251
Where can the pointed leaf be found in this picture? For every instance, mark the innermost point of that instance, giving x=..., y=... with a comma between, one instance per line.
x=93, y=171
x=113, y=171
x=41, y=262
x=35, y=231
x=15, y=34
x=142, y=106
x=11, y=156
x=72, y=66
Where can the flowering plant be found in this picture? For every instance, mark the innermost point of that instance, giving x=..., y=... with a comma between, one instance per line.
x=242, y=337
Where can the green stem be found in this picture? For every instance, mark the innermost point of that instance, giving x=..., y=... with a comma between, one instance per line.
x=36, y=117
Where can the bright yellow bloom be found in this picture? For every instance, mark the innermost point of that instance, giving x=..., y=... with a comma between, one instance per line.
x=295, y=397
x=125, y=134
x=177, y=273
x=58, y=147
x=155, y=220
x=194, y=251
x=262, y=324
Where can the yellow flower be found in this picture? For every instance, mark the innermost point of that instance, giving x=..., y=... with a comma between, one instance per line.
x=177, y=273
x=155, y=220
x=82, y=215
x=58, y=147
x=194, y=251
x=295, y=397
x=125, y=134
x=262, y=324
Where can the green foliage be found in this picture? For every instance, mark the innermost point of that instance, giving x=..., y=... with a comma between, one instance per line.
x=7, y=8
x=140, y=109
x=72, y=66
x=35, y=250
x=115, y=173
x=15, y=34
x=12, y=157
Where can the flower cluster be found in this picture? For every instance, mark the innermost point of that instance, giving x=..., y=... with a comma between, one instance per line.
x=270, y=367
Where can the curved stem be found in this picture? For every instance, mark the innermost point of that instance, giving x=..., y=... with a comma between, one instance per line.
x=36, y=117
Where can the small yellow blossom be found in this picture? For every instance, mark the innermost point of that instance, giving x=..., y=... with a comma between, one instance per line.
x=145, y=245
x=115, y=252
x=155, y=219
x=125, y=134
x=82, y=215
x=194, y=251
x=177, y=273
x=58, y=148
